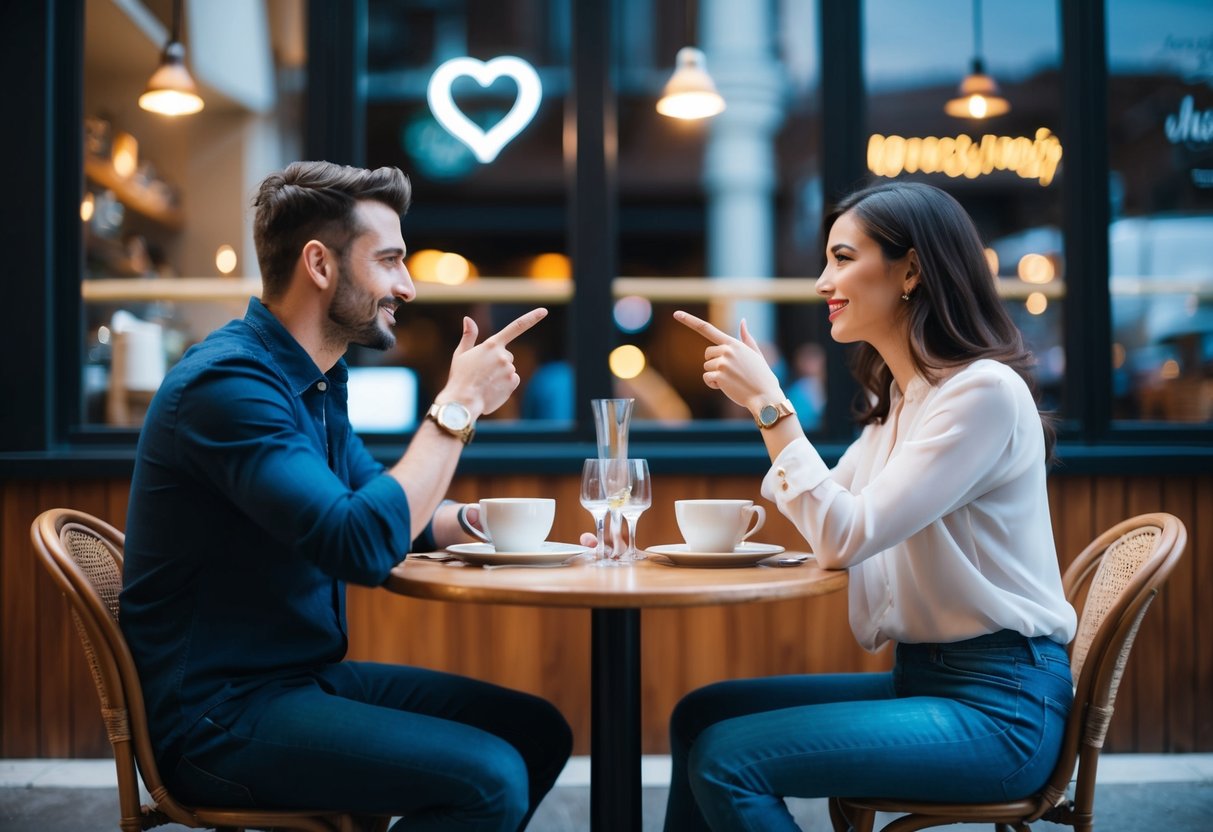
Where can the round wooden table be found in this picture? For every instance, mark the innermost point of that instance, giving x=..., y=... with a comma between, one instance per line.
x=615, y=595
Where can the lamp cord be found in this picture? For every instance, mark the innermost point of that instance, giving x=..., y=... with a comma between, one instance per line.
x=176, y=35
x=977, y=29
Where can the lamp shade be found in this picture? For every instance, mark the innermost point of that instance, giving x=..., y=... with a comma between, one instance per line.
x=171, y=91
x=977, y=97
x=690, y=93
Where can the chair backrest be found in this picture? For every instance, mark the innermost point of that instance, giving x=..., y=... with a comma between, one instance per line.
x=84, y=557
x=1120, y=572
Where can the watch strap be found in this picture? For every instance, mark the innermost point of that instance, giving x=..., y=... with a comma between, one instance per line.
x=771, y=413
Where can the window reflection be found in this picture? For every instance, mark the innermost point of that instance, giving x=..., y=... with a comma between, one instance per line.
x=487, y=238
x=1005, y=169
x=168, y=255
x=1160, y=134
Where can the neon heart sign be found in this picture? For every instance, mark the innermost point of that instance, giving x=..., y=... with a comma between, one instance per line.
x=486, y=145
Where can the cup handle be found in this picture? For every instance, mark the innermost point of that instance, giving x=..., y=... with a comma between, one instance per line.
x=761, y=514
x=469, y=528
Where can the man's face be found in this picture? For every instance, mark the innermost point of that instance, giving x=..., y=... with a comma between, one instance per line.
x=372, y=280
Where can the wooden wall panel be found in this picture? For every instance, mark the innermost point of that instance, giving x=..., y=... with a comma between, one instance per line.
x=1178, y=639
x=1200, y=629
x=48, y=707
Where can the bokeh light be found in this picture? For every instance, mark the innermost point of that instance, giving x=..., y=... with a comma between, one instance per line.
x=626, y=361
x=551, y=265
x=633, y=313
x=225, y=259
x=1035, y=268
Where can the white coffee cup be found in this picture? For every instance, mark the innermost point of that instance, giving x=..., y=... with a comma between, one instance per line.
x=516, y=524
x=717, y=525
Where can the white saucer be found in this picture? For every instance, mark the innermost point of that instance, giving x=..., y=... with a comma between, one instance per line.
x=744, y=555
x=482, y=554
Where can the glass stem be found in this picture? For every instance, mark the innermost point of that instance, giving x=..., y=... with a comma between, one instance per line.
x=600, y=530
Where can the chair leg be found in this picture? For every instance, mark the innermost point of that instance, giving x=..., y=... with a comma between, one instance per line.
x=850, y=818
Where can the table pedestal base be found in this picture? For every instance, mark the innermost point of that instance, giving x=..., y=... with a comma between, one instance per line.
x=615, y=720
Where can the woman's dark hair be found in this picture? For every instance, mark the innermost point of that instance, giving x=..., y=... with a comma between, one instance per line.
x=315, y=201
x=955, y=314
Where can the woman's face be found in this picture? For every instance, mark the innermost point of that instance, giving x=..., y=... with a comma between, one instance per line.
x=863, y=289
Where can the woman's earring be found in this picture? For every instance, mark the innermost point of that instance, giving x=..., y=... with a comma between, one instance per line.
x=905, y=296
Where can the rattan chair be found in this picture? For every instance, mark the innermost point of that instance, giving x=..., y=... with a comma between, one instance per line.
x=1120, y=573
x=84, y=556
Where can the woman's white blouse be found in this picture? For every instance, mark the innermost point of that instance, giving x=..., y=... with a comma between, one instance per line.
x=940, y=513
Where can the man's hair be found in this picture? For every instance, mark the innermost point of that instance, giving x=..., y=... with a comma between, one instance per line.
x=315, y=201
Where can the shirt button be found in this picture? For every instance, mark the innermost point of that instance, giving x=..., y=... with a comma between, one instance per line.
x=784, y=486
x=322, y=386
x=779, y=472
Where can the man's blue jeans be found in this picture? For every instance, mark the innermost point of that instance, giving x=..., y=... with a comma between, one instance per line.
x=443, y=751
x=977, y=720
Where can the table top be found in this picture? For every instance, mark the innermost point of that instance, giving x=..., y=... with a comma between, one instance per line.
x=646, y=583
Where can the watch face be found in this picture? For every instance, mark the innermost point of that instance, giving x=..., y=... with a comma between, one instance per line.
x=454, y=416
x=769, y=414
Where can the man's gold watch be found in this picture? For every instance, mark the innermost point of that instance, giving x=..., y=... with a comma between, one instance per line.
x=453, y=418
x=772, y=412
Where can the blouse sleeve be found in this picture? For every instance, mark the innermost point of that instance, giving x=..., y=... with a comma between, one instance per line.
x=959, y=450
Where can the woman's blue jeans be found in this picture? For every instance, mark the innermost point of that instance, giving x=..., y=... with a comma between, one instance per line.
x=977, y=720
x=443, y=751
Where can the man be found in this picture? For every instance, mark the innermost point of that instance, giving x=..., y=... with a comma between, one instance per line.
x=253, y=503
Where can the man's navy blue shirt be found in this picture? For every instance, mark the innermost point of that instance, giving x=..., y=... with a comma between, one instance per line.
x=252, y=503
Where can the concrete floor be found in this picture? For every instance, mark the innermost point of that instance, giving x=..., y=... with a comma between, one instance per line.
x=1159, y=793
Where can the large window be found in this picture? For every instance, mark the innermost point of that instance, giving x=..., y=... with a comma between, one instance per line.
x=709, y=213
x=165, y=208
x=613, y=215
x=1005, y=168
x=1160, y=138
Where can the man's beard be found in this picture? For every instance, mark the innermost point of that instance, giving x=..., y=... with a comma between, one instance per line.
x=354, y=315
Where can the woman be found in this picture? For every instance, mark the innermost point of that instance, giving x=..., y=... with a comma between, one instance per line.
x=940, y=513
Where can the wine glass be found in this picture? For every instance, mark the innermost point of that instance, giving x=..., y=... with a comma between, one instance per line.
x=594, y=500
x=640, y=497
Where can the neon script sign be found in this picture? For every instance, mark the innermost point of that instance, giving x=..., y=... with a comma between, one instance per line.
x=962, y=156
x=485, y=144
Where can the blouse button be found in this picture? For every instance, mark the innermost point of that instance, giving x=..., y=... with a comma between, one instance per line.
x=779, y=472
x=321, y=386
x=784, y=486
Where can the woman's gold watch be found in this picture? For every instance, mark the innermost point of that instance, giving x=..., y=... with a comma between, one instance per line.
x=772, y=412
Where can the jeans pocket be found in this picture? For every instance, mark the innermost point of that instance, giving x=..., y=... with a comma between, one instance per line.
x=195, y=785
x=981, y=666
x=1039, y=764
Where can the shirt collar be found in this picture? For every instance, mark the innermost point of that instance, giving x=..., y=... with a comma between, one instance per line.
x=915, y=391
x=296, y=366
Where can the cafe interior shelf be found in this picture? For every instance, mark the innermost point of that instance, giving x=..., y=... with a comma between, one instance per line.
x=133, y=195
x=513, y=289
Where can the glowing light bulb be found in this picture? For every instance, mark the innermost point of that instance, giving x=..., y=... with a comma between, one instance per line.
x=225, y=259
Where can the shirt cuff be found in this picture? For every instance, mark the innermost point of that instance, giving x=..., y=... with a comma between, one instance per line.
x=797, y=469
x=426, y=542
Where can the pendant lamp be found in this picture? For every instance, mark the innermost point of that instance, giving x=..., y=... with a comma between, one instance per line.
x=978, y=95
x=690, y=93
x=171, y=90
